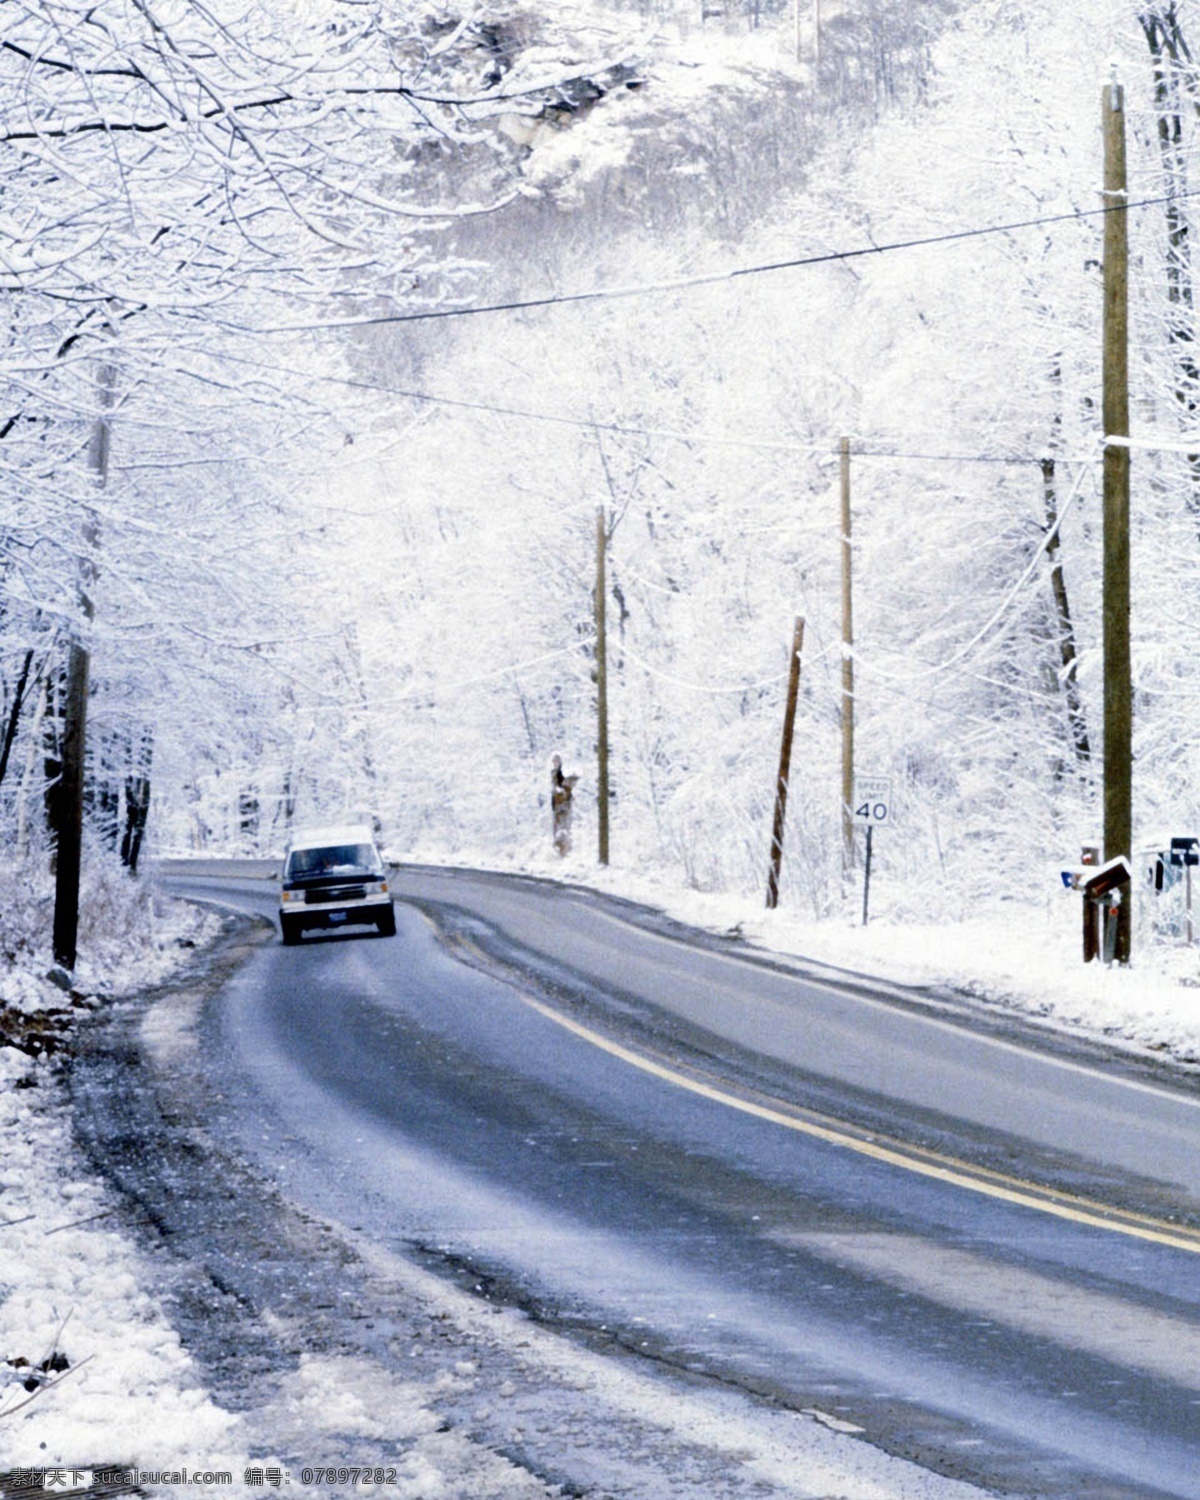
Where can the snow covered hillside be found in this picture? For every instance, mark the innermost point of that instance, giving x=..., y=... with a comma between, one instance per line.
x=704, y=421
x=361, y=573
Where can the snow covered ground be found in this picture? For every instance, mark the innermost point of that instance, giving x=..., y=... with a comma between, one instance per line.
x=93, y=1374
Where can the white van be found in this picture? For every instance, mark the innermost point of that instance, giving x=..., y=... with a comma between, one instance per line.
x=334, y=877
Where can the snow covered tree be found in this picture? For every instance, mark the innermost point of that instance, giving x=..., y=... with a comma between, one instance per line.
x=179, y=180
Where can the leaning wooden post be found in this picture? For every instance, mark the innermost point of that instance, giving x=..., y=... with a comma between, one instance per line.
x=601, y=686
x=785, y=764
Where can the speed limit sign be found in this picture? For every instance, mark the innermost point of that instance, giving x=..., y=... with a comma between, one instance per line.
x=872, y=800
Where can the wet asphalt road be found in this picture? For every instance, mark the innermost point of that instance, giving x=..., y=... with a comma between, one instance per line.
x=886, y=1208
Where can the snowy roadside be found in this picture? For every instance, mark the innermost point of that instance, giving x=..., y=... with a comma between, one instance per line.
x=98, y=1395
x=92, y=1373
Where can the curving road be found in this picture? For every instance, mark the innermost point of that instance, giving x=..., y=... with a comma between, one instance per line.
x=960, y=1241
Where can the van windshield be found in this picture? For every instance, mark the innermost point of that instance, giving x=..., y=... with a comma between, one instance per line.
x=333, y=859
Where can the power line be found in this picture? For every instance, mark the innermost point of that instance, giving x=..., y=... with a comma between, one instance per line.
x=621, y=429
x=434, y=691
x=998, y=615
x=708, y=688
x=959, y=458
x=715, y=278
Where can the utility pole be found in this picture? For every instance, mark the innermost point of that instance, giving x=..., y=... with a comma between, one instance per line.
x=785, y=767
x=69, y=854
x=1118, y=690
x=847, y=670
x=601, y=684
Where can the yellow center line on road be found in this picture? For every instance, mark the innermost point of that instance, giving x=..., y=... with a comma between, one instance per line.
x=940, y=1168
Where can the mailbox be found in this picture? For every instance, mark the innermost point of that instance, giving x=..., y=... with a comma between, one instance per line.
x=1100, y=885
x=1106, y=878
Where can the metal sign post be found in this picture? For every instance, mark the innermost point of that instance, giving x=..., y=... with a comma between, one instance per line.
x=872, y=809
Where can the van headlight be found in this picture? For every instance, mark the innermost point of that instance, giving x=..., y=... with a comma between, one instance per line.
x=288, y=897
x=376, y=888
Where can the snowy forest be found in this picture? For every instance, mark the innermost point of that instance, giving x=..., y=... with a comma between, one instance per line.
x=343, y=339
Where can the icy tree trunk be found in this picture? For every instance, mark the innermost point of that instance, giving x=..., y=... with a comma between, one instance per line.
x=360, y=735
x=1065, y=624
x=69, y=859
x=137, y=803
x=52, y=751
x=14, y=712
x=26, y=794
x=1172, y=59
x=110, y=752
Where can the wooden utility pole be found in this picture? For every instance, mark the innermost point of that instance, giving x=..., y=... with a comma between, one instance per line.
x=601, y=684
x=69, y=853
x=847, y=671
x=785, y=766
x=1118, y=690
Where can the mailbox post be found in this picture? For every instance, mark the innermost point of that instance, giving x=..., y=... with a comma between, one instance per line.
x=1103, y=889
x=1186, y=852
x=1089, y=855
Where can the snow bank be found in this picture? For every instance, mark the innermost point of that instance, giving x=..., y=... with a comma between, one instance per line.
x=90, y=1369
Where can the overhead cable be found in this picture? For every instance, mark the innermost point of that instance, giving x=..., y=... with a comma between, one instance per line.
x=998, y=615
x=716, y=278
x=715, y=689
x=625, y=429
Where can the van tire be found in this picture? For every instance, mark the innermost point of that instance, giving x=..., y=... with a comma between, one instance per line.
x=291, y=930
x=387, y=924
